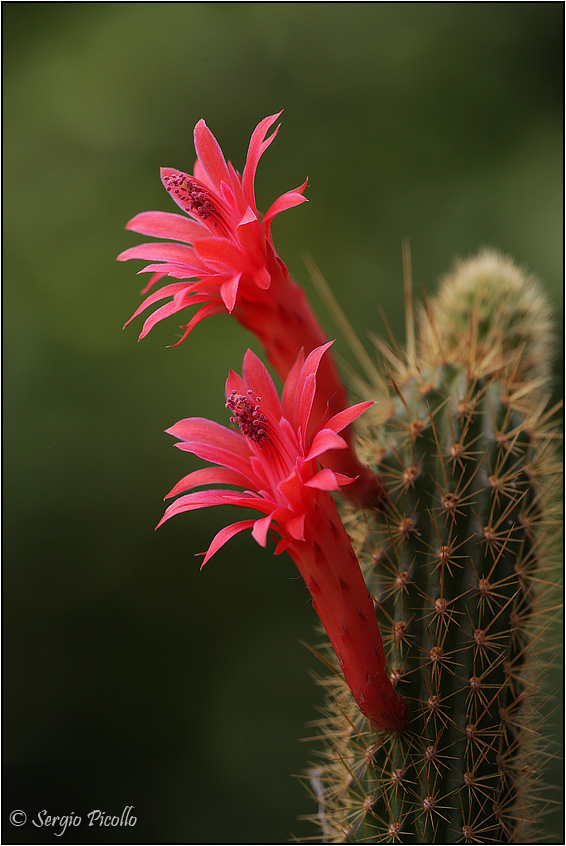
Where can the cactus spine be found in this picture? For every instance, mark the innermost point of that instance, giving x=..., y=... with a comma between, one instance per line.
x=457, y=564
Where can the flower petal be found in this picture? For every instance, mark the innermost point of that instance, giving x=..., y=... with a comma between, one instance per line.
x=304, y=398
x=210, y=155
x=208, y=432
x=208, y=498
x=224, y=458
x=262, y=278
x=305, y=401
x=290, y=387
x=329, y=480
x=160, y=251
x=161, y=294
x=249, y=216
x=284, y=202
x=229, y=291
x=256, y=378
x=291, y=490
x=324, y=440
x=200, y=315
x=224, y=535
x=234, y=382
x=261, y=528
x=215, y=443
x=224, y=252
x=324, y=480
x=160, y=314
x=344, y=418
x=256, y=148
x=251, y=237
x=208, y=476
x=282, y=545
x=167, y=225
x=154, y=279
x=296, y=527
x=175, y=271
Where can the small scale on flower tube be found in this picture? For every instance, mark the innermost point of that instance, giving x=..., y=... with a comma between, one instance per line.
x=274, y=456
x=221, y=252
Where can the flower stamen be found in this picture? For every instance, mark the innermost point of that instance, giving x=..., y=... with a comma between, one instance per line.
x=248, y=417
x=194, y=195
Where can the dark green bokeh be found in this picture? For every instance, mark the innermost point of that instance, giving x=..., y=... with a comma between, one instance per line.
x=130, y=677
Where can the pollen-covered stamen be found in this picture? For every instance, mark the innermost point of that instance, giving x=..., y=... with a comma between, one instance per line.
x=247, y=416
x=195, y=197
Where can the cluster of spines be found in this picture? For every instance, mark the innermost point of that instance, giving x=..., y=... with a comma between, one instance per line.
x=452, y=564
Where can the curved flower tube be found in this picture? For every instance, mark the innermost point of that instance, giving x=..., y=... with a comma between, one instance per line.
x=221, y=252
x=274, y=458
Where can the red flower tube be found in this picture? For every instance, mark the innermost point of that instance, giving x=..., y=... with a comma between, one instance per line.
x=221, y=252
x=274, y=458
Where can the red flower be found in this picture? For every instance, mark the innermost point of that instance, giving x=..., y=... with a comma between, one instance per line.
x=274, y=458
x=232, y=262
x=222, y=252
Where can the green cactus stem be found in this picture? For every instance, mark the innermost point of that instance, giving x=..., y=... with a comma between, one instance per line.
x=459, y=564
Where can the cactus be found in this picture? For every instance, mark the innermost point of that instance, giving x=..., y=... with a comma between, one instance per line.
x=450, y=509
x=458, y=565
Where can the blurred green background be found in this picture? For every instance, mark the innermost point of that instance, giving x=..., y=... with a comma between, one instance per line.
x=130, y=677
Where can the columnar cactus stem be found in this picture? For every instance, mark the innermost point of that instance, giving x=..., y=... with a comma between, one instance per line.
x=455, y=563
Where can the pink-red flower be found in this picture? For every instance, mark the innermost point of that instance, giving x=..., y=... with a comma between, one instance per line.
x=274, y=460
x=220, y=251
x=226, y=255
